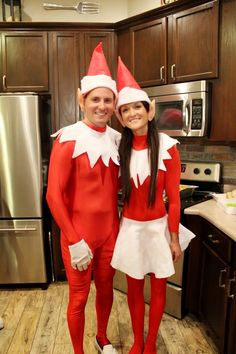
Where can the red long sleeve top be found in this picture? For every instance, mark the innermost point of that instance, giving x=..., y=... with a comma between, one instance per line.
x=168, y=180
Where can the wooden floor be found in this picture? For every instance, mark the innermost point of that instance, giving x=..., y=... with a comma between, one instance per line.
x=35, y=323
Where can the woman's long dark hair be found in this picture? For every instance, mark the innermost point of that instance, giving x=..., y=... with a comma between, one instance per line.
x=125, y=155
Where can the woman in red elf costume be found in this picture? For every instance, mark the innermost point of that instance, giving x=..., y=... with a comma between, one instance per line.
x=82, y=196
x=148, y=240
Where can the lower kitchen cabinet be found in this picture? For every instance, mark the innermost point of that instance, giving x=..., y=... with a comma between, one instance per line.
x=213, y=294
x=212, y=276
x=59, y=272
x=231, y=328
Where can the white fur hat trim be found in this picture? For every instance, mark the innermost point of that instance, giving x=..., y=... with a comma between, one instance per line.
x=89, y=83
x=129, y=94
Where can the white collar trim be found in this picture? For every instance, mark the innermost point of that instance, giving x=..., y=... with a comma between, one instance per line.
x=96, y=144
x=140, y=166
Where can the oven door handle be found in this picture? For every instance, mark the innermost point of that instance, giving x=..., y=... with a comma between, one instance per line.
x=186, y=116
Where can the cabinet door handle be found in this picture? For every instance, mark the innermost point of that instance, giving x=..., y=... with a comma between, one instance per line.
x=4, y=82
x=173, y=71
x=161, y=73
x=221, y=285
x=231, y=296
x=212, y=239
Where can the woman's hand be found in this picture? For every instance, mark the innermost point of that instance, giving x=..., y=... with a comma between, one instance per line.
x=175, y=247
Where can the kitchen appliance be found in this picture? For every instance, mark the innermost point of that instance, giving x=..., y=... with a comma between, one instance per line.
x=183, y=109
x=207, y=177
x=24, y=151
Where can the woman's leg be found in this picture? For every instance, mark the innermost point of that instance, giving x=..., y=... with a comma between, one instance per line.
x=137, y=311
x=157, y=306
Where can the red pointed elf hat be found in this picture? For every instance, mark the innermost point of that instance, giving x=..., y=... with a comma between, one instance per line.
x=128, y=89
x=98, y=73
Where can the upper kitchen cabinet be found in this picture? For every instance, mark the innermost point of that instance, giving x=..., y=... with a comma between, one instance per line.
x=193, y=45
x=178, y=47
x=64, y=75
x=90, y=41
x=223, y=127
x=70, y=53
x=148, y=52
x=24, y=61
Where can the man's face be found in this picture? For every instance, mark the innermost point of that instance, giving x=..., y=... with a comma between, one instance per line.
x=98, y=106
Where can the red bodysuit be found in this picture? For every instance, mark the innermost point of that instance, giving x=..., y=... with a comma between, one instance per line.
x=82, y=196
x=142, y=246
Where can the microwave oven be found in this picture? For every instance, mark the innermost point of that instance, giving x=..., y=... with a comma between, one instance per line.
x=182, y=109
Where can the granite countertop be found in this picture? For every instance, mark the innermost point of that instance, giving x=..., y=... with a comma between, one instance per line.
x=212, y=212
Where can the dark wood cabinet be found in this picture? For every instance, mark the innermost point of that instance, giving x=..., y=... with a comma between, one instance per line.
x=149, y=52
x=193, y=54
x=59, y=273
x=70, y=54
x=65, y=67
x=123, y=46
x=231, y=326
x=180, y=47
x=24, y=61
x=223, y=127
x=213, y=298
x=211, y=281
x=90, y=41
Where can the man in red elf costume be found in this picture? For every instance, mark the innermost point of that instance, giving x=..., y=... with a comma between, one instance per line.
x=82, y=196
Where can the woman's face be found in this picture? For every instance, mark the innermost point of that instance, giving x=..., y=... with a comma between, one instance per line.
x=135, y=117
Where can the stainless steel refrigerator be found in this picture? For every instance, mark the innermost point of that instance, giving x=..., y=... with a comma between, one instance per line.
x=22, y=251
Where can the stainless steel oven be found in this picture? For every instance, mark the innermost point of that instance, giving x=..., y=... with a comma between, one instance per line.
x=207, y=176
x=182, y=109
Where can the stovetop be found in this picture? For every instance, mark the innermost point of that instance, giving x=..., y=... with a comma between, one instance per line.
x=193, y=200
x=205, y=175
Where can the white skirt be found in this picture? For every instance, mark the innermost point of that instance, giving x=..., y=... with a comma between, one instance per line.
x=142, y=247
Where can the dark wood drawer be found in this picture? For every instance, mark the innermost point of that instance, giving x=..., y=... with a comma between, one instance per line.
x=218, y=241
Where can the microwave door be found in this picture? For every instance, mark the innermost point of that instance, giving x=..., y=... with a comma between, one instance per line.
x=172, y=114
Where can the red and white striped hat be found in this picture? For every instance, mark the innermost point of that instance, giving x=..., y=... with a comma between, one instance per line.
x=128, y=89
x=98, y=73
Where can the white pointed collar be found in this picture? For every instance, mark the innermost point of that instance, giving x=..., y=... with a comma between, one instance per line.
x=140, y=166
x=95, y=143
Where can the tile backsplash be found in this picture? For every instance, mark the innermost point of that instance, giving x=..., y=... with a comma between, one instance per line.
x=224, y=154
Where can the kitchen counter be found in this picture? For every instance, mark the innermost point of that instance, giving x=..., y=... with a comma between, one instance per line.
x=212, y=212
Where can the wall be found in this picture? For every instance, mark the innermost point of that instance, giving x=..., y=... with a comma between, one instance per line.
x=110, y=11
x=136, y=7
x=212, y=153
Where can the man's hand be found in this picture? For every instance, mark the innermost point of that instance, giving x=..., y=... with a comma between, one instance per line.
x=80, y=255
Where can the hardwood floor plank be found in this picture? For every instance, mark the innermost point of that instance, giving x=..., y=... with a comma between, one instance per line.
x=35, y=323
x=15, y=308
x=172, y=336
x=62, y=334
x=24, y=334
x=196, y=337
x=45, y=335
x=124, y=322
x=5, y=339
x=62, y=348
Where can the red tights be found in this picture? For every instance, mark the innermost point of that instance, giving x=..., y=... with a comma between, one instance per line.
x=79, y=286
x=137, y=311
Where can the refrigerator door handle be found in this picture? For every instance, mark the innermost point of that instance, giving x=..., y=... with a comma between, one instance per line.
x=23, y=229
